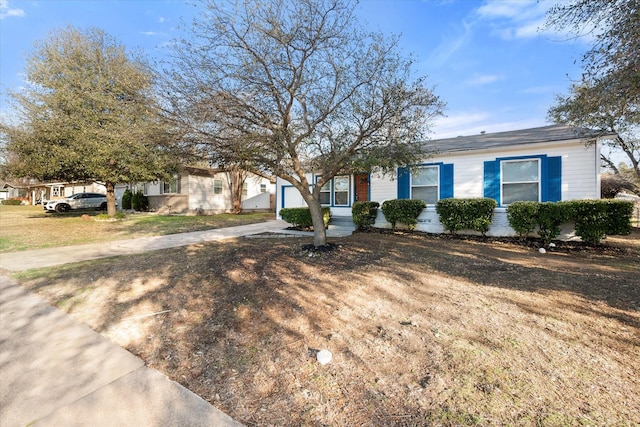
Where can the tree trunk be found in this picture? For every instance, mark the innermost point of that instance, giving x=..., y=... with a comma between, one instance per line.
x=236, y=178
x=319, y=232
x=111, y=199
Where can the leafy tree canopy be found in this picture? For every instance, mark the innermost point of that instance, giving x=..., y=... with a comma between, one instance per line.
x=88, y=113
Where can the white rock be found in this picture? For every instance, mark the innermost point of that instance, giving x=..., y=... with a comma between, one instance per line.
x=324, y=357
x=542, y=250
x=552, y=245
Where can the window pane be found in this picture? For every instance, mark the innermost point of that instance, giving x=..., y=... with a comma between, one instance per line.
x=425, y=176
x=217, y=186
x=341, y=183
x=520, y=171
x=519, y=192
x=341, y=198
x=325, y=198
x=428, y=194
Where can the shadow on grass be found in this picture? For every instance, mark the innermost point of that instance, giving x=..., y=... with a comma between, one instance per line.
x=226, y=318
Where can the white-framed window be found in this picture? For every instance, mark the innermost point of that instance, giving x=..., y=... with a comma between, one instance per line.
x=325, y=194
x=336, y=192
x=217, y=186
x=245, y=188
x=55, y=191
x=171, y=186
x=263, y=188
x=520, y=180
x=425, y=184
x=341, y=191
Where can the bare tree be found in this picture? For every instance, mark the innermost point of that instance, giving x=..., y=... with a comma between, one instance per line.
x=598, y=107
x=295, y=88
x=608, y=96
x=236, y=178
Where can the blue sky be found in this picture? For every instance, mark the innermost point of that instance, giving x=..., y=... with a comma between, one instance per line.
x=487, y=59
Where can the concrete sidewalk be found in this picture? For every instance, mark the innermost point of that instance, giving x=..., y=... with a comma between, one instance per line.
x=55, y=371
x=25, y=260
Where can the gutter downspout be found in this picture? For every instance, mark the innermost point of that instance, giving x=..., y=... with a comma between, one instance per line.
x=598, y=167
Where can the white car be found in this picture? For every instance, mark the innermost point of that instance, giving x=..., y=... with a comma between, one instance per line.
x=77, y=201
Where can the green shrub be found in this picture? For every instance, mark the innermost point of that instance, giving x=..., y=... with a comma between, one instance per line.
x=620, y=215
x=139, y=202
x=301, y=217
x=547, y=217
x=404, y=211
x=595, y=219
x=364, y=214
x=463, y=214
x=523, y=217
x=126, y=199
x=551, y=215
x=12, y=202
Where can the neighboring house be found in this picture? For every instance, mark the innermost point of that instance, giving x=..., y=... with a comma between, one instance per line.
x=203, y=190
x=550, y=163
x=60, y=190
x=34, y=192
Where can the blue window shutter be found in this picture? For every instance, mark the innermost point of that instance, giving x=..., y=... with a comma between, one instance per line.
x=551, y=179
x=446, y=181
x=404, y=192
x=492, y=180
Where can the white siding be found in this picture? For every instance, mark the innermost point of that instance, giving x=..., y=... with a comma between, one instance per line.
x=254, y=198
x=383, y=187
x=201, y=194
x=202, y=197
x=580, y=173
x=153, y=188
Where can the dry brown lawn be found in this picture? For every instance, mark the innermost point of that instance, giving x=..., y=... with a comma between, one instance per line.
x=29, y=227
x=423, y=330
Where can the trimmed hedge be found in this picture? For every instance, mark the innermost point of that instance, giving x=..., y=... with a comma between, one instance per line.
x=463, y=214
x=139, y=202
x=301, y=217
x=364, y=214
x=404, y=211
x=12, y=202
x=594, y=219
x=126, y=199
x=550, y=217
x=523, y=217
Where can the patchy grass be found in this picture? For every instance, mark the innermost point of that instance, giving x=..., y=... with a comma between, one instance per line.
x=423, y=330
x=29, y=227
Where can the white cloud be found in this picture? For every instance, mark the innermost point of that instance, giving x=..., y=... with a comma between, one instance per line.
x=162, y=19
x=149, y=33
x=6, y=11
x=515, y=18
x=482, y=79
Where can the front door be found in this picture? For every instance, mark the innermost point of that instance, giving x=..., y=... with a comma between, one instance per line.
x=362, y=187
